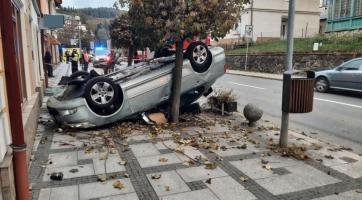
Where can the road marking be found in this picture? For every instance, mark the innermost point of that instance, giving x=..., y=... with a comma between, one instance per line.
x=247, y=85
x=336, y=102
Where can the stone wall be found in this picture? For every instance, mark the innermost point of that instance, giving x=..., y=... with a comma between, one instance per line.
x=274, y=63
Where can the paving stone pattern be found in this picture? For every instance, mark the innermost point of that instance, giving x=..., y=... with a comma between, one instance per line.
x=153, y=171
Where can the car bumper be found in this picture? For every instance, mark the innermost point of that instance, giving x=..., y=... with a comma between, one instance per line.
x=73, y=113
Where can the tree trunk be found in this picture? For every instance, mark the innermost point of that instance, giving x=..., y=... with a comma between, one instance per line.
x=176, y=83
x=130, y=55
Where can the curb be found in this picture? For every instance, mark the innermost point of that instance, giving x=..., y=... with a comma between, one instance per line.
x=255, y=75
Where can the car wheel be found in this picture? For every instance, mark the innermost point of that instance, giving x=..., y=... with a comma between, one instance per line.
x=101, y=92
x=200, y=57
x=322, y=84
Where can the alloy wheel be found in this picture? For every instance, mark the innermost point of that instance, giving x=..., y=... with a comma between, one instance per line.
x=199, y=54
x=102, y=93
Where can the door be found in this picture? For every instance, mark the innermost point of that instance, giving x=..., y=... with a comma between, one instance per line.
x=358, y=77
x=348, y=75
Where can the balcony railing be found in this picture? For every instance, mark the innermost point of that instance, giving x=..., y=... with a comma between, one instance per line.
x=344, y=24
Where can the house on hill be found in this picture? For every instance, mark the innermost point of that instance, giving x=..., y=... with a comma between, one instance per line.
x=269, y=20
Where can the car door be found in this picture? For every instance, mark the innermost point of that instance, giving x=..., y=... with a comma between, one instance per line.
x=359, y=78
x=347, y=75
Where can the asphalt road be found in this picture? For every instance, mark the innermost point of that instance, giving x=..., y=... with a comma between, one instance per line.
x=337, y=116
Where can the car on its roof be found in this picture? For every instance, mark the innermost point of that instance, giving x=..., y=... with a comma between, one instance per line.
x=90, y=100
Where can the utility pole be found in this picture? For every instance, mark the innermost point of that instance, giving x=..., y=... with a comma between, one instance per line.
x=283, y=142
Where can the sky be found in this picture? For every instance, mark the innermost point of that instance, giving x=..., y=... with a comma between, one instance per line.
x=87, y=3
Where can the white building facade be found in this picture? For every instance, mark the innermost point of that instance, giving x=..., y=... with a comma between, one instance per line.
x=269, y=19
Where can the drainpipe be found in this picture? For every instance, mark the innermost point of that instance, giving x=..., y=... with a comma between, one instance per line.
x=14, y=102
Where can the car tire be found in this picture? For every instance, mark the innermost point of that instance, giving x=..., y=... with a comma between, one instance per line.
x=101, y=92
x=200, y=56
x=322, y=84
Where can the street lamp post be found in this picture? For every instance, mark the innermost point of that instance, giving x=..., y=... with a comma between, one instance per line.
x=283, y=142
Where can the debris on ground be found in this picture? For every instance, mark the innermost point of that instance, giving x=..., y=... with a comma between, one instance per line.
x=329, y=156
x=163, y=160
x=297, y=152
x=74, y=171
x=158, y=118
x=57, y=176
x=208, y=181
x=210, y=165
x=267, y=166
x=102, y=178
x=60, y=130
x=340, y=149
x=167, y=188
x=264, y=162
x=243, y=179
x=156, y=176
x=122, y=162
x=359, y=190
x=118, y=185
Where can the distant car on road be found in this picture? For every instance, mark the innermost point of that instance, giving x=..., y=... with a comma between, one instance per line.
x=347, y=76
x=101, y=55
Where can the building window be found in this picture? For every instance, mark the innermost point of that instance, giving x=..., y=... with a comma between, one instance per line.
x=358, y=7
x=342, y=8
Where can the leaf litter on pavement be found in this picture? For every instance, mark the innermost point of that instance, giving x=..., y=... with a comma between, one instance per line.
x=214, y=133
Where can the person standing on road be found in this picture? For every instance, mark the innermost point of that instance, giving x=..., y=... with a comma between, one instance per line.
x=74, y=58
x=48, y=63
x=67, y=56
x=85, y=60
x=81, y=59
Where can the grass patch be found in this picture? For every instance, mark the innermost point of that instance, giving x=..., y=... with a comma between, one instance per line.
x=330, y=43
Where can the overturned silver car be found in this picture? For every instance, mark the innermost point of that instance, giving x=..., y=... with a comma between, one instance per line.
x=90, y=100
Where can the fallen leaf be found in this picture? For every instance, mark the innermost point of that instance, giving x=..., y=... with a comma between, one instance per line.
x=103, y=156
x=73, y=171
x=210, y=165
x=264, y=162
x=208, y=181
x=156, y=176
x=122, y=162
x=243, y=179
x=188, y=163
x=102, y=178
x=268, y=167
x=113, y=151
x=163, y=160
x=118, y=184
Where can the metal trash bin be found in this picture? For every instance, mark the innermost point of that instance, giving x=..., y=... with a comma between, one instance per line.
x=300, y=90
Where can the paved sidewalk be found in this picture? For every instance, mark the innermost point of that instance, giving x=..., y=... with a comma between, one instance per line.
x=256, y=74
x=205, y=157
